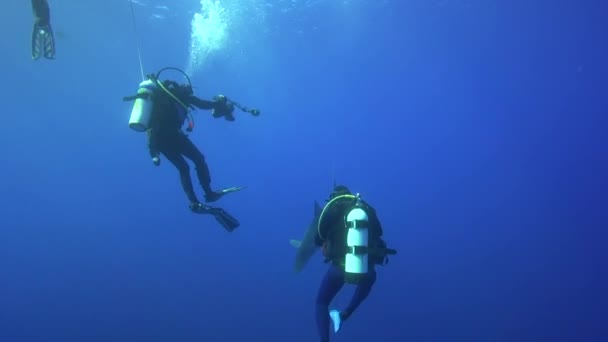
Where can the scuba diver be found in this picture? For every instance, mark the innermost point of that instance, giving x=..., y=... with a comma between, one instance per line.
x=43, y=42
x=160, y=109
x=350, y=235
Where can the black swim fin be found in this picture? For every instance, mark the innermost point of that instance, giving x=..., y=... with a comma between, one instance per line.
x=221, y=216
x=43, y=42
x=229, y=222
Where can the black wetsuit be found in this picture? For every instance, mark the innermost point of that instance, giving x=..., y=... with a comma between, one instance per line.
x=334, y=248
x=43, y=42
x=42, y=12
x=166, y=136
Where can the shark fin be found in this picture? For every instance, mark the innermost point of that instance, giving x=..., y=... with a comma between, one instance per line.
x=318, y=210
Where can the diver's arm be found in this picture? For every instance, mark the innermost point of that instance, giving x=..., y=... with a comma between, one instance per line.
x=152, y=148
x=200, y=103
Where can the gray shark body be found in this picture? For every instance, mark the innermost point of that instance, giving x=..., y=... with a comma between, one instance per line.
x=306, y=247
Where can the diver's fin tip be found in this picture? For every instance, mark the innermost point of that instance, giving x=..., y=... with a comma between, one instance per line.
x=229, y=222
x=231, y=189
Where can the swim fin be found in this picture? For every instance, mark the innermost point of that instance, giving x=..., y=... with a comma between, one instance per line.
x=216, y=195
x=232, y=189
x=336, y=319
x=43, y=42
x=229, y=222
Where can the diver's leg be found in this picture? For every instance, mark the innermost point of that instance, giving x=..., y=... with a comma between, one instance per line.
x=172, y=153
x=362, y=291
x=331, y=284
x=202, y=170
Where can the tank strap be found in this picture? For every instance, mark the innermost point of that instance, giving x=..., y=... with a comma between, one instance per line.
x=135, y=97
x=357, y=224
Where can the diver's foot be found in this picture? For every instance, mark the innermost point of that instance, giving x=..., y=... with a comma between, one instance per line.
x=213, y=196
x=336, y=318
x=199, y=208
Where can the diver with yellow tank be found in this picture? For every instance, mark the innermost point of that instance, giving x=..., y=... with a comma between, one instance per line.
x=350, y=235
x=160, y=108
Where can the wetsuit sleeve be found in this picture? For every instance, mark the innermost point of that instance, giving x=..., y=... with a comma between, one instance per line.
x=152, y=148
x=200, y=103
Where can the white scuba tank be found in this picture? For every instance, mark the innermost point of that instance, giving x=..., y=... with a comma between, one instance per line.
x=143, y=106
x=356, y=260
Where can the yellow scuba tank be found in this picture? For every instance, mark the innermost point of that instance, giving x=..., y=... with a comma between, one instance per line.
x=143, y=106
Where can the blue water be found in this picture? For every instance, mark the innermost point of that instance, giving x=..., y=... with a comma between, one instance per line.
x=476, y=128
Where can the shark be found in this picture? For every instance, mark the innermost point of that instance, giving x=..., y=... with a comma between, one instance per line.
x=306, y=247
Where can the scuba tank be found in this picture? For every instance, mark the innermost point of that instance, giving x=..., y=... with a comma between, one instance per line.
x=357, y=242
x=143, y=106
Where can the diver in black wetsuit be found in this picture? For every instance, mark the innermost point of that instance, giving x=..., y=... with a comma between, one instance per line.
x=333, y=238
x=165, y=136
x=171, y=105
x=43, y=41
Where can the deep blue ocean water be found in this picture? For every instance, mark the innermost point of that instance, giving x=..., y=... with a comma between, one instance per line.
x=476, y=128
